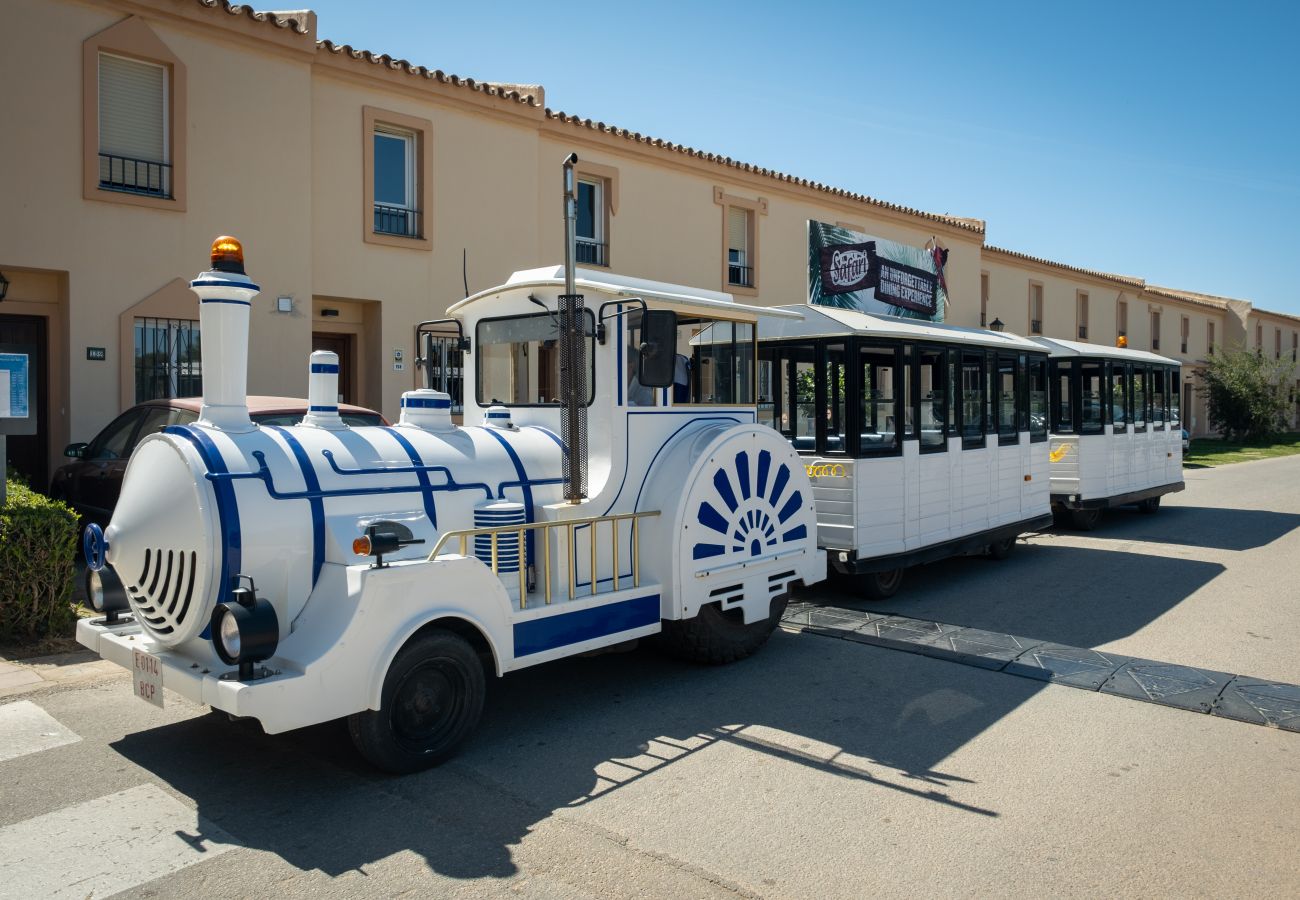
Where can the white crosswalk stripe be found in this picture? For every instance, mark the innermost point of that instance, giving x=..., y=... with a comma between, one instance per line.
x=26, y=728
x=104, y=846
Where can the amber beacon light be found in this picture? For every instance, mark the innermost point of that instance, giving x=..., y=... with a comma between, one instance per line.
x=228, y=255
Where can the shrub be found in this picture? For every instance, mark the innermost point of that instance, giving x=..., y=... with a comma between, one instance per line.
x=38, y=538
x=1248, y=394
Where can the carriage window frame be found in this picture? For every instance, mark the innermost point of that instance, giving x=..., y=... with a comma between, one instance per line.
x=1159, y=413
x=1082, y=424
x=1012, y=436
x=1136, y=371
x=858, y=348
x=1054, y=422
x=480, y=343
x=1120, y=370
x=941, y=365
x=782, y=355
x=978, y=440
x=1039, y=363
x=848, y=444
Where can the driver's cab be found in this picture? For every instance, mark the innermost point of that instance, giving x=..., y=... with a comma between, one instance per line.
x=647, y=372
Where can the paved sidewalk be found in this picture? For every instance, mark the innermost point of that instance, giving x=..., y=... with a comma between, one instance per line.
x=22, y=676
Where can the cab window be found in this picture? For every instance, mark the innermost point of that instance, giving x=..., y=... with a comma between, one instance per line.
x=715, y=362
x=518, y=359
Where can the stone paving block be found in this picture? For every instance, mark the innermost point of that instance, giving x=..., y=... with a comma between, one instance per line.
x=1183, y=687
x=1260, y=702
x=1076, y=666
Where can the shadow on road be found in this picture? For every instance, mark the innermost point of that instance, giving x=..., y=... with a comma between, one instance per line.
x=568, y=733
x=1067, y=595
x=1199, y=526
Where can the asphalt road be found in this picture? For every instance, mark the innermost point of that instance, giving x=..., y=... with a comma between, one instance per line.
x=818, y=768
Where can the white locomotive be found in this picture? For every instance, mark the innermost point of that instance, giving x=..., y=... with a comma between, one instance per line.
x=307, y=573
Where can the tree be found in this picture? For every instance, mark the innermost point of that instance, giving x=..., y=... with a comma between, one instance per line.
x=1249, y=395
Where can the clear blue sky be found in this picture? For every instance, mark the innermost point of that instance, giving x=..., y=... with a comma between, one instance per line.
x=1149, y=138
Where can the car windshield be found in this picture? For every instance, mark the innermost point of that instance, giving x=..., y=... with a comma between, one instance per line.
x=293, y=418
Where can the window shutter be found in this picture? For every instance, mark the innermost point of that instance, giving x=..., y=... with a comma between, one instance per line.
x=738, y=229
x=131, y=98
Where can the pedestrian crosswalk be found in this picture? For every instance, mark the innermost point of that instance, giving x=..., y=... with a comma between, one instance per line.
x=101, y=846
x=26, y=728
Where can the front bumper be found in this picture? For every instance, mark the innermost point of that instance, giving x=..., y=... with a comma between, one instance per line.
x=265, y=699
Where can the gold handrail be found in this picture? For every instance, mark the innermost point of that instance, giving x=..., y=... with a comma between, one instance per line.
x=465, y=535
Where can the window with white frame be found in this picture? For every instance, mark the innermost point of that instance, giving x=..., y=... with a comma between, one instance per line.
x=740, y=241
x=591, y=246
x=396, y=174
x=133, y=128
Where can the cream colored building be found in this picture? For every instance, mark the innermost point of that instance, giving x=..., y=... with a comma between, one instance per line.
x=369, y=193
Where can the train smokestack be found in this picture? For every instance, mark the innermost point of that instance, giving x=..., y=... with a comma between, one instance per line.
x=225, y=299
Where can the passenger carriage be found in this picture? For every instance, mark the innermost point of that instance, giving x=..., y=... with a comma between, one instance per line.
x=921, y=440
x=1116, y=434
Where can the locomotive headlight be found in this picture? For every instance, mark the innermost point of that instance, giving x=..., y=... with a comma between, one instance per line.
x=245, y=631
x=106, y=594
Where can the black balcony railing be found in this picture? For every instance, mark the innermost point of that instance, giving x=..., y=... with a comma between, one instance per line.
x=1155, y=343
x=1083, y=332
x=397, y=220
x=590, y=253
x=742, y=276
x=1184, y=348
x=1035, y=326
x=135, y=176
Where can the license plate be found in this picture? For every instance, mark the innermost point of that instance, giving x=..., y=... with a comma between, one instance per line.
x=147, y=677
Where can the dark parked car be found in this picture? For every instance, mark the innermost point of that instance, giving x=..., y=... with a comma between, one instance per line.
x=91, y=483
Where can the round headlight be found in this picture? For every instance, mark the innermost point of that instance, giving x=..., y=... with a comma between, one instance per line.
x=95, y=591
x=229, y=636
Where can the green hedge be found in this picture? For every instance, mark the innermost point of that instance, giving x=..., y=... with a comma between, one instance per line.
x=38, y=539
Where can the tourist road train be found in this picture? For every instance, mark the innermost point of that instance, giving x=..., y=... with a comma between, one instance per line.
x=636, y=460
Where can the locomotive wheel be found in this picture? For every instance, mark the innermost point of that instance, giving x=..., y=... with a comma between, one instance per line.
x=1085, y=519
x=432, y=700
x=716, y=637
x=1002, y=549
x=1149, y=505
x=881, y=585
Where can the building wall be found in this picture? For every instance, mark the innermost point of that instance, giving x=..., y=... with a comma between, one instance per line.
x=275, y=136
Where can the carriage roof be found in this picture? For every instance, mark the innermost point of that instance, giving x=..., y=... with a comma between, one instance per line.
x=830, y=321
x=1067, y=349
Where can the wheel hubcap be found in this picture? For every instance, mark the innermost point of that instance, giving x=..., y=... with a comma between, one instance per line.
x=427, y=705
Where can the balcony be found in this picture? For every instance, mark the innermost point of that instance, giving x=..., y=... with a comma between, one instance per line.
x=590, y=252
x=741, y=276
x=398, y=220
x=1155, y=344
x=135, y=176
x=1083, y=332
x=1035, y=326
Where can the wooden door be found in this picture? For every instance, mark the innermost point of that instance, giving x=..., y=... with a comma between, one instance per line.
x=341, y=344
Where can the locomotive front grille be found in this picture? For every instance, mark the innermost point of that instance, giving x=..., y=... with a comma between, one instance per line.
x=162, y=596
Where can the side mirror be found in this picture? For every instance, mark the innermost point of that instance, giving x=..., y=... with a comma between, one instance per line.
x=658, y=357
x=76, y=451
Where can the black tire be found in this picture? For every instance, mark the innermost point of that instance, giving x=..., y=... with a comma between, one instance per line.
x=431, y=702
x=715, y=637
x=881, y=585
x=1149, y=506
x=1002, y=549
x=1085, y=519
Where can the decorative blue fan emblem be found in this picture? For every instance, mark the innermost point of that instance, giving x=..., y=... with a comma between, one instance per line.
x=753, y=510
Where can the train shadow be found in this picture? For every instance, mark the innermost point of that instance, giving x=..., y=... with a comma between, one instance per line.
x=577, y=732
x=628, y=732
x=1214, y=528
x=1065, y=594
